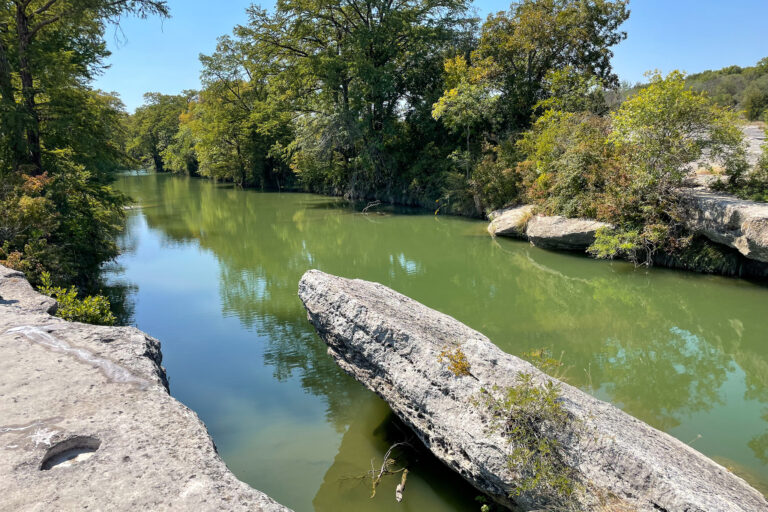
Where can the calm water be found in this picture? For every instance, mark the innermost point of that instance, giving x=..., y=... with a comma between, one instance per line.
x=214, y=273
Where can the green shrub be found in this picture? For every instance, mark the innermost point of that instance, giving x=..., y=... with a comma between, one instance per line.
x=568, y=163
x=750, y=185
x=527, y=414
x=93, y=309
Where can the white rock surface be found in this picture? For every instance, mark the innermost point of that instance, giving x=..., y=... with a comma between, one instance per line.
x=391, y=344
x=728, y=220
x=86, y=421
x=510, y=221
x=561, y=233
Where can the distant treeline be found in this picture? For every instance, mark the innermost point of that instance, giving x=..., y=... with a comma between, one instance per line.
x=744, y=89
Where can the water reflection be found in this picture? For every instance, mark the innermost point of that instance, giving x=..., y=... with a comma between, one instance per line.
x=683, y=352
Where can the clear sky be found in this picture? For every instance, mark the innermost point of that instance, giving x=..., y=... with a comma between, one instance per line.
x=692, y=35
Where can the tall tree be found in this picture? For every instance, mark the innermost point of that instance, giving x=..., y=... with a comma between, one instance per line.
x=50, y=43
x=351, y=71
x=520, y=47
x=60, y=140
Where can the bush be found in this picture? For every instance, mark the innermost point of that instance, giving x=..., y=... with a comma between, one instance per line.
x=569, y=163
x=93, y=309
x=660, y=133
x=755, y=102
x=750, y=185
x=527, y=414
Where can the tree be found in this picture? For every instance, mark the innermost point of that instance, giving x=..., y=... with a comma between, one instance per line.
x=54, y=43
x=351, y=72
x=519, y=48
x=233, y=129
x=541, y=54
x=60, y=140
x=466, y=105
x=154, y=125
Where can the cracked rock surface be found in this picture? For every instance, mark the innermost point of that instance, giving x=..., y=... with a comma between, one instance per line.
x=729, y=220
x=392, y=345
x=86, y=421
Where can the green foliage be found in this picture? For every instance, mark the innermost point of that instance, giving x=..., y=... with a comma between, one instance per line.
x=527, y=414
x=626, y=168
x=60, y=140
x=570, y=91
x=569, y=165
x=522, y=47
x=93, y=309
x=153, y=128
x=744, y=89
x=541, y=54
x=660, y=133
x=374, y=101
x=355, y=78
x=542, y=359
x=751, y=185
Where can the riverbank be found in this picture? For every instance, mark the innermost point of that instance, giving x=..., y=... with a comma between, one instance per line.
x=87, y=420
x=737, y=229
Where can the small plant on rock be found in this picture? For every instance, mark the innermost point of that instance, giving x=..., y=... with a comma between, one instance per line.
x=456, y=361
x=542, y=359
x=527, y=415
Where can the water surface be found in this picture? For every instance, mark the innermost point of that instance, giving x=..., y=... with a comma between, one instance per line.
x=213, y=271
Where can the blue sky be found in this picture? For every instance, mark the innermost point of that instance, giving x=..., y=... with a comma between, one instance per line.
x=692, y=35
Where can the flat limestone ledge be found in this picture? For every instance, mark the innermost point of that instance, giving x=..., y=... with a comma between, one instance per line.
x=546, y=232
x=98, y=394
x=562, y=233
x=391, y=344
x=737, y=223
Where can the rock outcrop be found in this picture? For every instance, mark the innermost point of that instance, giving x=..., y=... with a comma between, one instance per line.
x=740, y=224
x=86, y=421
x=547, y=232
x=393, y=346
x=510, y=221
x=561, y=233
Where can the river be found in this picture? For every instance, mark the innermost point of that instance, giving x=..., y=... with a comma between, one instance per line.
x=212, y=271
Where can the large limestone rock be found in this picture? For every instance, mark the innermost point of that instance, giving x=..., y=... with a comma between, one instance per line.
x=562, y=233
x=392, y=345
x=547, y=232
x=510, y=221
x=86, y=421
x=728, y=220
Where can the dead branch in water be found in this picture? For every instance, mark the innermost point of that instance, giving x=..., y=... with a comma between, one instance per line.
x=372, y=204
x=401, y=487
x=386, y=468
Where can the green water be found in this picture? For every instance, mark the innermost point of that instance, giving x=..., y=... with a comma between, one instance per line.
x=213, y=273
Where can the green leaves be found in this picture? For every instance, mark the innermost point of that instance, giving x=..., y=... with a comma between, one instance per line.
x=527, y=414
x=93, y=309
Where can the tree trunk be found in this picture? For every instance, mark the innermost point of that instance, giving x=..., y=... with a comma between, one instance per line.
x=8, y=115
x=158, y=160
x=32, y=121
x=468, y=152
